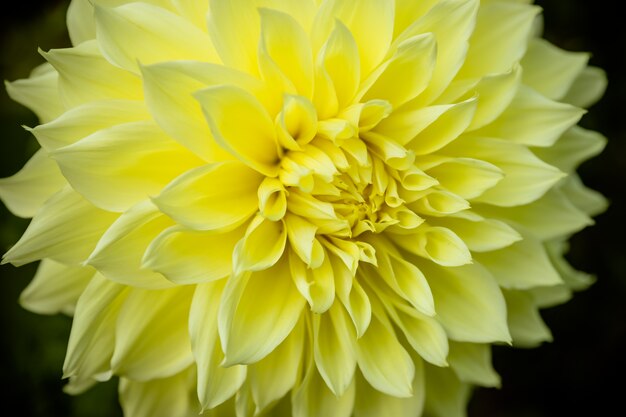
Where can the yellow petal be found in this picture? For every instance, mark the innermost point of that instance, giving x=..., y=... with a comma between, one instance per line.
x=317, y=285
x=360, y=18
x=550, y=217
x=39, y=92
x=551, y=70
x=478, y=233
x=287, y=44
x=333, y=349
x=413, y=63
x=353, y=297
x=186, y=256
x=272, y=199
x=439, y=244
x=472, y=364
x=26, y=191
x=258, y=310
x=168, y=88
x=262, y=246
x=446, y=395
x=385, y=364
x=91, y=340
x=85, y=75
x=301, y=235
x=572, y=148
x=275, y=375
x=532, y=120
x=151, y=336
x=120, y=166
x=216, y=384
x=158, y=397
x=140, y=32
x=253, y=142
x=218, y=196
x=81, y=121
x=55, y=288
x=527, y=326
x=522, y=265
x=502, y=32
x=312, y=398
x=526, y=177
x=466, y=177
x=373, y=403
x=119, y=252
x=587, y=88
x=339, y=61
x=469, y=303
x=65, y=229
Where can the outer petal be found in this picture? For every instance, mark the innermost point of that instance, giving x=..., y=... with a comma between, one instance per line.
x=472, y=364
x=140, y=32
x=257, y=312
x=120, y=166
x=85, y=75
x=165, y=397
x=65, y=229
x=27, y=190
x=151, y=337
x=216, y=384
x=446, y=395
x=527, y=326
x=120, y=250
x=218, y=196
x=55, y=288
x=587, y=88
x=469, y=303
x=39, y=92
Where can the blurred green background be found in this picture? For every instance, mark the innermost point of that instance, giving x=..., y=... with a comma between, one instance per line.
x=569, y=377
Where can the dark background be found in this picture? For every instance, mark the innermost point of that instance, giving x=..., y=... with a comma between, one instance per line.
x=573, y=376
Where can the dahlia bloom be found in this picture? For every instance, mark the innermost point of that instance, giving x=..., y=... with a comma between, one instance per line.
x=302, y=208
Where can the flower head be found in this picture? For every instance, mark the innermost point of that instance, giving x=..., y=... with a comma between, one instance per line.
x=303, y=208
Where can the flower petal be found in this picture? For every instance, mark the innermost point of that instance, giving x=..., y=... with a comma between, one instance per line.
x=472, y=364
x=527, y=326
x=26, y=191
x=186, y=256
x=119, y=252
x=39, y=92
x=85, y=75
x=65, y=229
x=145, y=350
x=117, y=167
x=257, y=312
x=253, y=142
x=262, y=246
x=469, y=303
x=587, y=88
x=55, y=288
x=140, y=32
x=218, y=196
x=216, y=384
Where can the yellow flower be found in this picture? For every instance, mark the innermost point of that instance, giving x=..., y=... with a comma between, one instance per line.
x=307, y=208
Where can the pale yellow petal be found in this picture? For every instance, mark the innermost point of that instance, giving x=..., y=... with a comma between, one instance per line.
x=39, y=92
x=151, y=335
x=253, y=142
x=85, y=75
x=262, y=246
x=119, y=252
x=469, y=303
x=218, y=196
x=55, y=288
x=551, y=70
x=522, y=265
x=472, y=364
x=142, y=33
x=163, y=397
x=65, y=229
x=587, y=88
x=573, y=147
x=446, y=395
x=216, y=384
x=527, y=326
x=26, y=191
x=258, y=310
x=333, y=349
x=117, y=167
x=186, y=256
